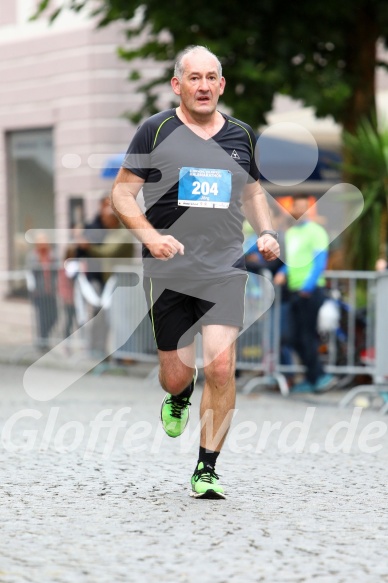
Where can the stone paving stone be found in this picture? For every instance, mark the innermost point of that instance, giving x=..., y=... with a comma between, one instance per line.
x=113, y=506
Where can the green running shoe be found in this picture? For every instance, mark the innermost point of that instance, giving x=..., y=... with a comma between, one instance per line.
x=204, y=483
x=175, y=412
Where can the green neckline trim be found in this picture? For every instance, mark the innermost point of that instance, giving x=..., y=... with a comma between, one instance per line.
x=159, y=128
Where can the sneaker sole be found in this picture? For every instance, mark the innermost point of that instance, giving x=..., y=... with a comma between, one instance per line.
x=208, y=495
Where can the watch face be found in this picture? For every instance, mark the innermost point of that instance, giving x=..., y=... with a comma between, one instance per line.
x=273, y=234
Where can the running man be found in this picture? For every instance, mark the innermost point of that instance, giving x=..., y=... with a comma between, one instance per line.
x=199, y=176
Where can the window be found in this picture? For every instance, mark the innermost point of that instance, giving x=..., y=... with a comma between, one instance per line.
x=30, y=188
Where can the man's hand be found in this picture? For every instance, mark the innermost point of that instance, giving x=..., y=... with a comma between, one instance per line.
x=82, y=243
x=280, y=278
x=268, y=247
x=381, y=264
x=165, y=247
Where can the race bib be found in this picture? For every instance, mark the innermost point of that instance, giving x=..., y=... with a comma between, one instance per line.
x=204, y=187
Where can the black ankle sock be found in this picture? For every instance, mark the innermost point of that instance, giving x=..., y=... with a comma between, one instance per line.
x=187, y=392
x=208, y=457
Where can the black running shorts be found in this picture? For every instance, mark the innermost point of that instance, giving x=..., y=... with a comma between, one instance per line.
x=179, y=309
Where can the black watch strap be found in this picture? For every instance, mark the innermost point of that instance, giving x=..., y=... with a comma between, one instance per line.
x=273, y=234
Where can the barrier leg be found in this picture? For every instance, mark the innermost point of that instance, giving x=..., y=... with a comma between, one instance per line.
x=265, y=380
x=253, y=383
x=282, y=383
x=360, y=390
x=384, y=409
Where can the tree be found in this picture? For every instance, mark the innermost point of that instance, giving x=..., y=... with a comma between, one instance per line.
x=367, y=236
x=323, y=53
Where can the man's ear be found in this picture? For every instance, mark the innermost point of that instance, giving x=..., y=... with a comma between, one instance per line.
x=176, y=86
x=222, y=85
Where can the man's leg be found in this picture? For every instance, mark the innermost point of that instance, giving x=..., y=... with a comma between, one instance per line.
x=306, y=343
x=177, y=378
x=310, y=339
x=171, y=316
x=174, y=374
x=217, y=405
x=219, y=393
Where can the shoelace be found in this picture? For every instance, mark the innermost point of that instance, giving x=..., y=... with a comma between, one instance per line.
x=206, y=475
x=177, y=406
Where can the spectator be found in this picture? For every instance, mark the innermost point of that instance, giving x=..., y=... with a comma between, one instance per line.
x=93, y=236
x=306, y=246
x=66, y=292
x=103, y=240
x=255, y=263
x=42, y=267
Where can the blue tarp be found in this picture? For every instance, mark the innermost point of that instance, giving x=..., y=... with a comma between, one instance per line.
x=286, y=161
x=112, y=166
x=279, y=159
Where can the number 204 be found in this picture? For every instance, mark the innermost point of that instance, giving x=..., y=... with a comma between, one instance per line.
x=205, y=188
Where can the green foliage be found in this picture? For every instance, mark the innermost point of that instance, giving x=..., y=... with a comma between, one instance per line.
x=368, y=153
x=305, y=49
x=323, y=53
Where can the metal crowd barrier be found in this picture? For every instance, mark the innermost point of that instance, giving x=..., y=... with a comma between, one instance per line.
x=253, y=345
x=347, y=347
x=376, y=362
x=82, y=320
x=134, y=344
x=14, y=337
x=56, y=314
x=343, y=347
x=355, y=347
x=47, y=315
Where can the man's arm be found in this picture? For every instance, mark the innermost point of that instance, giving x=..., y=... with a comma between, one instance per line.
x=125, y=190
x=117, y=243
x=256, y=211
x=318, y=266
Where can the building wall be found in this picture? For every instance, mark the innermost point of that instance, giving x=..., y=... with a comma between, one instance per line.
x=66, y=77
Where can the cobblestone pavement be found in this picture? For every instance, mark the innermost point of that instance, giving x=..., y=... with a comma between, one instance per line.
x=82, y=502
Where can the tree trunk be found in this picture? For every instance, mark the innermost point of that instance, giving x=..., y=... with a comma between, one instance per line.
x=383, y=233
x=360, y=69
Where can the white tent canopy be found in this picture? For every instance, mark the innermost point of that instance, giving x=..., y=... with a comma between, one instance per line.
x=326, y=131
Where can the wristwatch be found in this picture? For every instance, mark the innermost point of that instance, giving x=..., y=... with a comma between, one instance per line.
x=273, y=234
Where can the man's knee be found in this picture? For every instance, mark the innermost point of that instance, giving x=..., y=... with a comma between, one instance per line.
x=174, y=382
x=220, y=372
